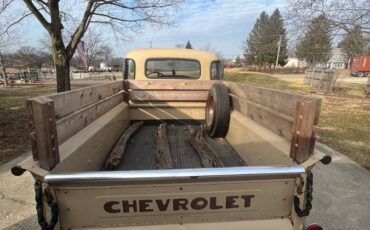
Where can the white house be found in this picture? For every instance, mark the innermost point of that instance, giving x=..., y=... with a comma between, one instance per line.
x=338, y=60
x=294, y=62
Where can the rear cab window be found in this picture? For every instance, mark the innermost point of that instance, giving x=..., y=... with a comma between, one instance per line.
x=171, y=68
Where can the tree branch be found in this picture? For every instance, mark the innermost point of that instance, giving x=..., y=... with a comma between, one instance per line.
x=37, y=14
x=5, y=5
x=81, y=29
x=15, y=22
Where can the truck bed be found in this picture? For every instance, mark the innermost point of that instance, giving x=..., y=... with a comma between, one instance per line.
x=140, y=151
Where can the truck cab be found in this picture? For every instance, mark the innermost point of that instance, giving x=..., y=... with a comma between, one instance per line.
x=176, y=64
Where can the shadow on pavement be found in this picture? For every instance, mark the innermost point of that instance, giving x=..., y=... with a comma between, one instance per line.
x=29, y=223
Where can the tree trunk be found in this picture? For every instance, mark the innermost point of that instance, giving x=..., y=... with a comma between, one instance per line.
x=62, y=72
x=3, y=70
x=61, y=62
x=4, y=75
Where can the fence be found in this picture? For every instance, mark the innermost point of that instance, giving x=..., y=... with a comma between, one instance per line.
x=97, y=75
x=322, y=79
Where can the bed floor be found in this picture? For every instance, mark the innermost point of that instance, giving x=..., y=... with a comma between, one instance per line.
x=140, y=150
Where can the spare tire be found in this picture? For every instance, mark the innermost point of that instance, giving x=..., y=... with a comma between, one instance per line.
x=218, y=111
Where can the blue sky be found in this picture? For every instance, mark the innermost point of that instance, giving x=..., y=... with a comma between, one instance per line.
x=221, y=25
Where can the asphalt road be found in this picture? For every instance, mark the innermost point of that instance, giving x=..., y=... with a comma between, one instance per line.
x=341, y=196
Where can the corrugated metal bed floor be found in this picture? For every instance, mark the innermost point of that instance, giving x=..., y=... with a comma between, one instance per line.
x=140, y=150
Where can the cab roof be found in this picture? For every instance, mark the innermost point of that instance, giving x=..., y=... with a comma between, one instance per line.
x=171, y=53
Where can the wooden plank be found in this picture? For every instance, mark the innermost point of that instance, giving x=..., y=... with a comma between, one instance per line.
x=279, y=123
x=29, y=110
x=171, y=84
x=208, y=158
x=283, y=102
x=162, y=148
x=116, y=155
x=70, y=101
x=146, y=113
x=35, y=155
x=168, y=95
x=73, y=123
x=126, y=87
x=46, y=132
x=303, y=140
x=161, y=105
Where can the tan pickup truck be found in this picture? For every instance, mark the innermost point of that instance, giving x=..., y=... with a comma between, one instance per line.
x=173, y=146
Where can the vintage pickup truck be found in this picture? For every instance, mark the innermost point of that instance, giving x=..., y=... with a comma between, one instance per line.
x=173, y=146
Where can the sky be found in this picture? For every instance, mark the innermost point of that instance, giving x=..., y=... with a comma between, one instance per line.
x=220, y=25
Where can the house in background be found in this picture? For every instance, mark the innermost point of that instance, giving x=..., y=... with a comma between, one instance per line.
x=338, y=60
x=294, y=62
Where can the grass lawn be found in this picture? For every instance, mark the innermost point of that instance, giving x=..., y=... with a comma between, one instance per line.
x=14, y=127
x=345, y=115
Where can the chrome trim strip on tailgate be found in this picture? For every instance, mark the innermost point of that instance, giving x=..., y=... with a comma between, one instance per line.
x=171, y=174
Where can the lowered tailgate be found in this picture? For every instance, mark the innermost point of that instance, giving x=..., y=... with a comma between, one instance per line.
x=186, y=196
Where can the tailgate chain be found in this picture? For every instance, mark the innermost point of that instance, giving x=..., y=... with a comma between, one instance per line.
x=40, y=208
x=307, y=209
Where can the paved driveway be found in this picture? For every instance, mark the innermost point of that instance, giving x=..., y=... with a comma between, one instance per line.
x=341, y=196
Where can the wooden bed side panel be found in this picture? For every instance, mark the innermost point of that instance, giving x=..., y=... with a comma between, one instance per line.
x=279, y=123
x=76, y=121
x=256, y=144
x=281, y=101
x=71, y=101
x=88, y=149
x=44, y=139
x=291, y=116
x=171, y=84
x=168, y=95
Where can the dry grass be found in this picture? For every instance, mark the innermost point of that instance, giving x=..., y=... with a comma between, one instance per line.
x=345, y=115
x=14, y=128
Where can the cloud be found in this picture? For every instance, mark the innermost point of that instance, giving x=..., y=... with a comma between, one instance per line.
x=221, y=24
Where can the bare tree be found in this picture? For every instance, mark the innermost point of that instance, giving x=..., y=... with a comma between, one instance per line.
x=7, y=36
x=121, y=17
x=342, y=15
x=103, y=53
x=93, y=41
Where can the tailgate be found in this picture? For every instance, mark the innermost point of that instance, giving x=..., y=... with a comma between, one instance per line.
x=154, y=197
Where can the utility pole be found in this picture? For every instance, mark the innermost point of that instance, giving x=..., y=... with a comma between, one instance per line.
x=3, y=69
x=278, y=53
